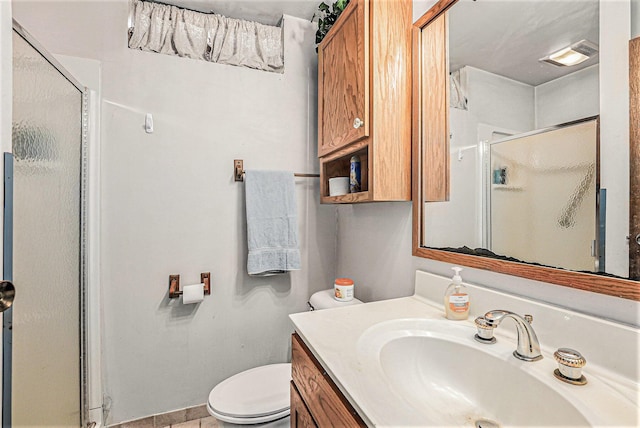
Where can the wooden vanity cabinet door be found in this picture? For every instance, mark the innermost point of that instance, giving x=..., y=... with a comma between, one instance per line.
x=300, y=416
x=343, y=81
x=327, y=405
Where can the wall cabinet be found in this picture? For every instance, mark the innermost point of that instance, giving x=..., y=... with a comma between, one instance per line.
x=315, y=398
x=364, y=100
x=343, y=114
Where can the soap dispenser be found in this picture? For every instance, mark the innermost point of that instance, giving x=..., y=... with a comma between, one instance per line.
x=456, y=298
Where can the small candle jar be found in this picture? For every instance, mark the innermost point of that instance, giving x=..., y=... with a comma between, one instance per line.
x=343, y=289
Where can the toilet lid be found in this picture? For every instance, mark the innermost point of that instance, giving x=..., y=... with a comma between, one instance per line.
x=256, y=392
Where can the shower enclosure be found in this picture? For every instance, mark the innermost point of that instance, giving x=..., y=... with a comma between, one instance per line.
x=44, y=331
x=543, y=190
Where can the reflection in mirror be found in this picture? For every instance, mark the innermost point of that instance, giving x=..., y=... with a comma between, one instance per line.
x=521, y=185
x=541, y=190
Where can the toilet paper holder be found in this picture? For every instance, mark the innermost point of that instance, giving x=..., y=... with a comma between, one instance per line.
x=174, y=284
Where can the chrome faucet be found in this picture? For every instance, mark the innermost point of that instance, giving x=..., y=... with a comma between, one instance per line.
x=528, y=346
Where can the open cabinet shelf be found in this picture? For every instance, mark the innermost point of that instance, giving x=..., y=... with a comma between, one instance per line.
x=339, y=165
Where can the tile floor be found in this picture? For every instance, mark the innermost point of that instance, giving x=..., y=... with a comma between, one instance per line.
x=209, y=422
x=192, y=417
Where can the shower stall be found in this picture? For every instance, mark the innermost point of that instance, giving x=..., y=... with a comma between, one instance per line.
x=44, y=332
x=544, y=202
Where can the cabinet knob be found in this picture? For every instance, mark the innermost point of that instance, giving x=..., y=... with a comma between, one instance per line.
x=357, y=122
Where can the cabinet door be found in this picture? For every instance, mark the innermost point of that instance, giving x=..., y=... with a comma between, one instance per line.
x=343, y=80
x=327, y=405
x=300, y=416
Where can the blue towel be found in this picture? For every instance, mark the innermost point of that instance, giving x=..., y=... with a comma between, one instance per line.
x=272, y=224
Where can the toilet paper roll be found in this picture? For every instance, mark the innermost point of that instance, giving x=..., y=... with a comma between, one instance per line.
x=192, y=293
x=338, y=186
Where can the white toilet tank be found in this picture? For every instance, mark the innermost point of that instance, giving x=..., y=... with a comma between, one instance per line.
x=324, y=300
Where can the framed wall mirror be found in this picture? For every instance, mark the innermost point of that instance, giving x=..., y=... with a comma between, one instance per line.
x=518, y=166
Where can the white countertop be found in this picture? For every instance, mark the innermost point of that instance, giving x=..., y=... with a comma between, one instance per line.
x=332, y=335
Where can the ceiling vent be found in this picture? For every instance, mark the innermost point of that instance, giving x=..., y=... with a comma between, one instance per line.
x=573, y=55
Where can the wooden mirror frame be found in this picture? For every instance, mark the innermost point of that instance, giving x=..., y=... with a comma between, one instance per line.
x=602, y=284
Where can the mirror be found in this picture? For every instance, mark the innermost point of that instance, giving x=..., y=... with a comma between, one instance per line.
x=512, y=169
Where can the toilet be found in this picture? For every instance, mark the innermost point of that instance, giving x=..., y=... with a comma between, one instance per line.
x=260, y=396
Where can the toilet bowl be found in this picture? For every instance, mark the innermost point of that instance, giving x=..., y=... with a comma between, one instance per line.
x=260, y=396
x=255, y=396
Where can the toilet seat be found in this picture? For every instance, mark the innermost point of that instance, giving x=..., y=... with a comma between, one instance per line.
x=247, y=421
x=253, y=396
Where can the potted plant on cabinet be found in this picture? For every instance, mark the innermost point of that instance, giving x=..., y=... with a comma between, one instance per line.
x=327, y=16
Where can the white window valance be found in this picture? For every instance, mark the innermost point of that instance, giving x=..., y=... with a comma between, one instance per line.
x=174, y=31
x=458, y=92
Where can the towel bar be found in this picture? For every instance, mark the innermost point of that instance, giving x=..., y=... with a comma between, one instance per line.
x=238, y=171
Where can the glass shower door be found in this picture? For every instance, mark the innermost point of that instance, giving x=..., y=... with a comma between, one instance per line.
x=46, y=315
x=543, y=188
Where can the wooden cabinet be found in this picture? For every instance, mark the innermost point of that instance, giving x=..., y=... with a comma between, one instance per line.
x=343, y=86
x=315, y=398
x=364, y=100
x=300, y=415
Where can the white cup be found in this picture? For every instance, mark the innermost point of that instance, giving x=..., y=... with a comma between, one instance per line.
x=338, y=186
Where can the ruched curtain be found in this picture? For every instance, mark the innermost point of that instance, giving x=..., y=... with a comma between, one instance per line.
x=174, y=31
x=458, y=92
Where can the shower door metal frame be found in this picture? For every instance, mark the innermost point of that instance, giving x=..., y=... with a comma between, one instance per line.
x=82, y=245
x=7, y=272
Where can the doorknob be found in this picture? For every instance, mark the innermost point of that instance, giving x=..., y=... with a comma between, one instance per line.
x=638, y=239
x=7, y=294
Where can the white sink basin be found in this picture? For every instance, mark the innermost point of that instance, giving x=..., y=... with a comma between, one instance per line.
x=445, y=378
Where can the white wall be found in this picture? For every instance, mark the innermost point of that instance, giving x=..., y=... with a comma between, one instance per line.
x=499, y=101
x=572, y=97
x=169, y=205
x=615, y=32
x=635, y=18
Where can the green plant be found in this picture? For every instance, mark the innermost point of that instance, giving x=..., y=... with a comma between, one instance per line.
x=327, y=16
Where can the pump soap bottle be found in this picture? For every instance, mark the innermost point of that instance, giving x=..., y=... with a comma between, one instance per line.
x=456, y=299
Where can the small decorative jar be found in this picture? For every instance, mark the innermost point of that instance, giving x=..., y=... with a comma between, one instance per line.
x=343, y=289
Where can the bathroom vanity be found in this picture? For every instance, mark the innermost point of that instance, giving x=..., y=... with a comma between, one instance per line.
x=315, y=399
x=401, y=363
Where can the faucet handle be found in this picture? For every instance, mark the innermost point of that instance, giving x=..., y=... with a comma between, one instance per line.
x=570, y=363
x=485, y=331
x=529, y=319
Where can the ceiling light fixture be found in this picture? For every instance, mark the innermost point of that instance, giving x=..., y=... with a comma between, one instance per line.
x=572, y=55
